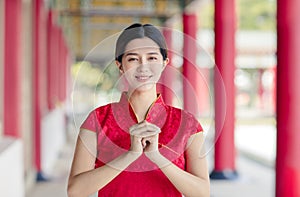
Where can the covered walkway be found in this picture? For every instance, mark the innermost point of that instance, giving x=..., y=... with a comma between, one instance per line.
x=57, y=64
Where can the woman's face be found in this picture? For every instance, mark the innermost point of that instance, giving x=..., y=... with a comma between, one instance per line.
x=142, y=64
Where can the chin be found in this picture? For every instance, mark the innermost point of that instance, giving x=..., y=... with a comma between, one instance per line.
x=145, y=87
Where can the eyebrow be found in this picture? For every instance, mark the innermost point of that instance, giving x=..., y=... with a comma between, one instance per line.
x=131, y=54
x=153, y=53
x=150, y=53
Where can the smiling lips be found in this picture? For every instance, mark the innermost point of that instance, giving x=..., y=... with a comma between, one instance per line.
x=143, y=78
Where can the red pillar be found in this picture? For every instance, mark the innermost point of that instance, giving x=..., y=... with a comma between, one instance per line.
x=168, y=75
x=260, y=89
x=50, y=60
x=288, y=97
x=61, y=66
x=65, y=65
x=12, y=68
x=55, y=66
x=53, y=61
x=191, y=92
x=203, y=86
x=195, y=84
x=273, y=88
x=39, y=76
x=225, y=24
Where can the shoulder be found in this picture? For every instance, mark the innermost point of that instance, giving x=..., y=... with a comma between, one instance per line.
x=102, y=108
x=186, y=117
x=96, y=117
x=184, y=114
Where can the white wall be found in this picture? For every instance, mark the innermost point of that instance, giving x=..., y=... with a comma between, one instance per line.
x=11, y=168
x=26, y=92
x=53, y=139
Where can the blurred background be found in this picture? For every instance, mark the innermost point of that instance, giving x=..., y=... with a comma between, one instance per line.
x=57, y=64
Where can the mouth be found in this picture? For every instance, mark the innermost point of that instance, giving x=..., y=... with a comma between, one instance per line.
x=143, y=78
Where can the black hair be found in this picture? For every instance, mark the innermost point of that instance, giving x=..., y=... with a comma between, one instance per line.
x=138, y=30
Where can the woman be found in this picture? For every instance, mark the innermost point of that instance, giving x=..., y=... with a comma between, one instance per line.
x=139, y=146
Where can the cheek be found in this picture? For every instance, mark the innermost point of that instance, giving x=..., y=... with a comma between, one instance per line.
x=158, y=69
x=128, y=68
x=128, y=73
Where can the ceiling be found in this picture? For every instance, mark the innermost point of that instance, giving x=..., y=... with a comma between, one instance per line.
x=91, y=26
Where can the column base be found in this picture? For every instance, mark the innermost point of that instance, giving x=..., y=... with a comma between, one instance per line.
x=223, y=175
x=41, y=177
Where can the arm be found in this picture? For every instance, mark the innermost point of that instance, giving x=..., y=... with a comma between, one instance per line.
x=194, y=181
x=84, y=180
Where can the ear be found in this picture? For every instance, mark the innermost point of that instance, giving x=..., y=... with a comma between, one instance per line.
x=166, y=62
x=119, y=65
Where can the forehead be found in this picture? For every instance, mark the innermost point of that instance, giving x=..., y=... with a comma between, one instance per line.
x=142, y=45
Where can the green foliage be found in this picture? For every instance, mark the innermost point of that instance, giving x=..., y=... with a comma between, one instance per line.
x=206, y=16
x=94, y=76
x=256, y=14
x=251, y=14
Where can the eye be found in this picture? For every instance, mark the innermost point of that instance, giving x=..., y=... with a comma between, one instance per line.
x=132, y=59
x=152, y=58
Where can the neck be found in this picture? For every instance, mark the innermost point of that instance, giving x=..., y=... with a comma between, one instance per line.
x=141, y=102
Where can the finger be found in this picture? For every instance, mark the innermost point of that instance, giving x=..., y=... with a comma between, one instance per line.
x=152, y=127
x=146, y=134
x=147, y=141
x=144, y=143
x=144, y=123
x=137, y=126
x=148, y=126
x=136, y=131
x=145, y=128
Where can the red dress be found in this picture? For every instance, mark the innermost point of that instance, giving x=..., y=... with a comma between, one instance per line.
x=142, y=178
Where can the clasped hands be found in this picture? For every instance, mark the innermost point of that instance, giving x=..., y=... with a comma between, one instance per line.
x=144, y=137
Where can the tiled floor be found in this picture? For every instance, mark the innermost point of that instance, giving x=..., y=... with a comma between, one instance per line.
x=57, y=185
x=254, y=179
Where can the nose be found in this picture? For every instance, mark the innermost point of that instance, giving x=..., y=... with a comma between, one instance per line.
x=143, y=67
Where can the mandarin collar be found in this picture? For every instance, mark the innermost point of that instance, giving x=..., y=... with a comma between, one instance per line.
x=156, y=114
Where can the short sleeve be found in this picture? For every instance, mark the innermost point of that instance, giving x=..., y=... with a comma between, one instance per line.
x=197, y=128
x=90, y=122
